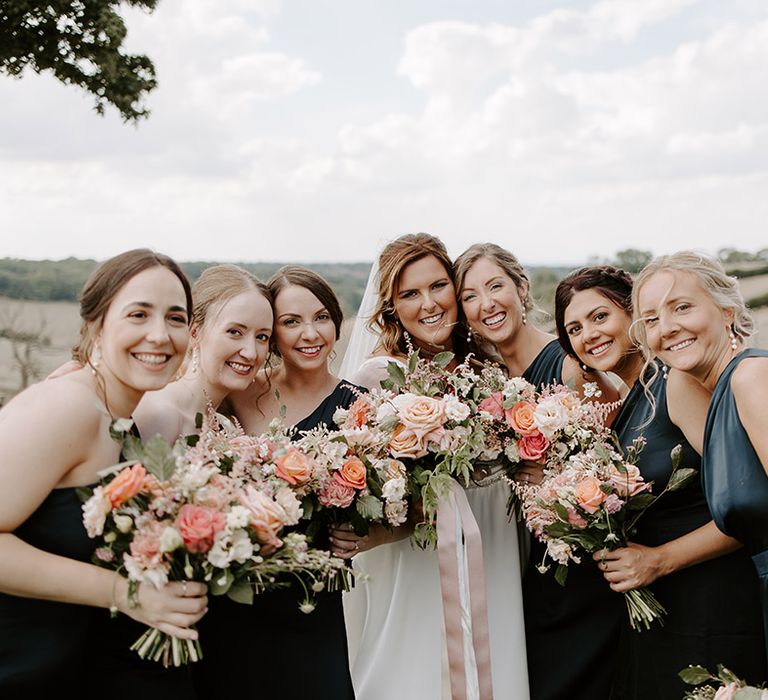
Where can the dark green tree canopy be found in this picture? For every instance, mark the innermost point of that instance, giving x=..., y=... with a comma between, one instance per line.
x=79, y=41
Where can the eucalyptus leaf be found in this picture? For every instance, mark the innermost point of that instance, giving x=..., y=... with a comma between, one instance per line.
x=695, y=675
x=443, y=359
x=159, y=459
x=561, y=573
x=241, y=592
x=133, y=449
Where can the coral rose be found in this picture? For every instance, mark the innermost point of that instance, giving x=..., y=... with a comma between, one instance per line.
x=533, y=447
x=352, y=474
x=294, y=467
x=198, y=526
x=129, y=482
x=520, y=417
x=588, y=494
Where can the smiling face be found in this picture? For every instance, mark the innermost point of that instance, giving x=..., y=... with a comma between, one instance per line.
x=425, y=304
x=683, y=326
x=234, y=341
x=304, y=330
x=491, y=302
x=145, y=332
x=599, y=331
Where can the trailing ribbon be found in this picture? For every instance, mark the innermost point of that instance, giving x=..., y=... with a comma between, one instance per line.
x=457, y=532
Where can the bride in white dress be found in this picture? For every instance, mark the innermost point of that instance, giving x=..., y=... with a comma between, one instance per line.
x=394, y=614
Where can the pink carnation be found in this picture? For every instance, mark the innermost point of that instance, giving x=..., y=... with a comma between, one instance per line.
x=336, y=494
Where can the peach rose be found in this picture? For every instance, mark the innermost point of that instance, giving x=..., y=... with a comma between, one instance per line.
x=267, y=518
x=294, y=467
x=533, y=447
x=335, y=493
x=419, y=414
x=351, y=474
x=588, y=494
x=128, y=483
x=494, y=405
x=198, y=526
x=520, y=417
x=405, y=444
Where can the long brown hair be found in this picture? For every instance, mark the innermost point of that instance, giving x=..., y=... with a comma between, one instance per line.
x=395, y=257
x=104, y=284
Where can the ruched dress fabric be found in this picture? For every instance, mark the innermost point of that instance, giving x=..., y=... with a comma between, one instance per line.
x=699, y=628
x=271, y=649
x=46, y=646
x=735, y=482
x=394, y=614
x=572, y=631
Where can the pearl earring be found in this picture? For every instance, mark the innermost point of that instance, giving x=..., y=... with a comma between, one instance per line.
x=664, y=371
x=524, y=317
x=585, y=368
x=734, y=342
x=469, y=335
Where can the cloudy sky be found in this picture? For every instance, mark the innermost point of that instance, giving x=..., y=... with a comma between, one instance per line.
x=316, y=130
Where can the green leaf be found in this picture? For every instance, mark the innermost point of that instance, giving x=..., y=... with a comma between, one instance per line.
x=561, y=573
x=133, y=449
x=396, y=374
x=221, y=582
x=443, y=359
x=680, y=478
x=413, y=361
x=241, y=592
x=370, y=507
x=695, y=675
x=676, y=454
x=198, y=420
x=726, y=675
x=159, y=459
x=642, y=500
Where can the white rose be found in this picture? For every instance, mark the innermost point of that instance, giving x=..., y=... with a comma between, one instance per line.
x=550, y=416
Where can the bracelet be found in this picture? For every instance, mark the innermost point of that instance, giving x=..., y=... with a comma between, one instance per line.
x=113, y=609
x=133, y=594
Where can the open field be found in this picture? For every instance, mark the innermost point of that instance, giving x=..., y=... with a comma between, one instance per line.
x=61, y=323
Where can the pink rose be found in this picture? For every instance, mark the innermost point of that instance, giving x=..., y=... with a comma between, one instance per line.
x=574, y=518
x=628, y=484
x=294, y=467
x=352, y=474
x=533, y=447
x=727, y=692
x=334, y=493
x=405, y=443
x=419, y=414
x=588, y=494
x=267, y=517
x=494, y=405
x=198, y=526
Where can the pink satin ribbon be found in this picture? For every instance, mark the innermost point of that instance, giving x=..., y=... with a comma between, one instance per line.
x=449, y=528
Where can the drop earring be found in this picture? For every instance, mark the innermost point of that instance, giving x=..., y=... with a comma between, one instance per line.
x=524, y=317
x=95, y=359
x=195, y=361
x=734, y=342
x=585, y=368
x=664, y=371
x=469, y=335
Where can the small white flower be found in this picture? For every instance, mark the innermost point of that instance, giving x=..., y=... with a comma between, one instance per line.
x=455, y=410
x=592, y=389
x=394, y=489
x=124, y=523
x=512, y=453
x=170, y=540
x=340, y=416
x=238, y=517
x=396, y=512
x=318, y=586
x=306, y=607
x=95, y=511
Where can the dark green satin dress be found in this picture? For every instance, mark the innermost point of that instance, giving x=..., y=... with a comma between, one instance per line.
x=735, y=482
x=571, y=631
x=698, y=628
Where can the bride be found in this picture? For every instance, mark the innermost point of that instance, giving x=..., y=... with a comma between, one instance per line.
x=394, y=614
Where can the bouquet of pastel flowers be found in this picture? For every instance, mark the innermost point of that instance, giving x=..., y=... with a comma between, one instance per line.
x=197, y=511
x=548, y=426
x=591, y=502
x=729, y=686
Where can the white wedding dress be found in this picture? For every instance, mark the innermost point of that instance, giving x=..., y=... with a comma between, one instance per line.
x=394, y=614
